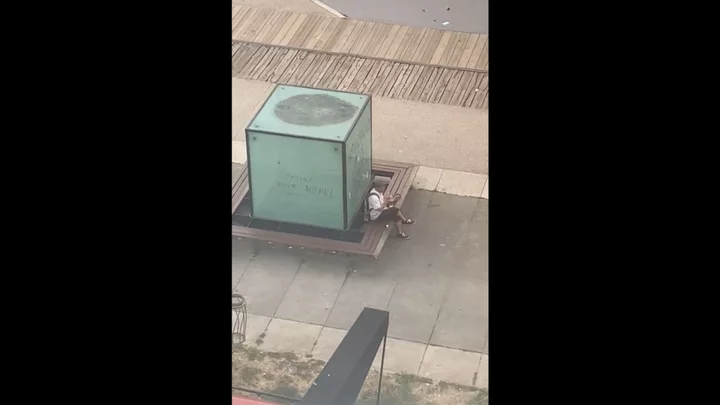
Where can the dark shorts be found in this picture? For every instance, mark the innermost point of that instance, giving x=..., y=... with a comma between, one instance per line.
x=388, y=214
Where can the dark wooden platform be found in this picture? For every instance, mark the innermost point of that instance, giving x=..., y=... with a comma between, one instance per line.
x=358, y=74
x=375, y=233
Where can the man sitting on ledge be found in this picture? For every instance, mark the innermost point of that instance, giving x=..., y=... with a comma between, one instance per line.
x=382, y=209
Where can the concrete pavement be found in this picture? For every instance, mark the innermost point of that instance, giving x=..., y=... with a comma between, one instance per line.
x=432, y=135
x=434, y=286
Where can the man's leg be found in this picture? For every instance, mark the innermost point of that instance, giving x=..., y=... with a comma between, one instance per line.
x=398, y=226
x=400, y=216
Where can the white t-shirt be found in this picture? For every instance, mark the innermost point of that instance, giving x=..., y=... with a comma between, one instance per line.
x=376, y=202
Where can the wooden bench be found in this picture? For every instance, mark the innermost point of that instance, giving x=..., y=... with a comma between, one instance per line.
x=375, y=233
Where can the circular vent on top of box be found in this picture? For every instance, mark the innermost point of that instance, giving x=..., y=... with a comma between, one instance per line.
x=314, y=110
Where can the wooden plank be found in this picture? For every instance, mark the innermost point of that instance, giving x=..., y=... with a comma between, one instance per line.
x=414, y=37
x=477, y=98
x=449, y=92
x=397, y=87
x=333, y=37
x=292, y=17
x=236, y=10
x=341, y=72
x=420, y=83
x=363, y=38
x=473, y=89
x=237, y=17
x=386, y=42
x=303, y=34
x=432, y=82
x=463, y=88
x=293, y=29
x=258, y=21
x=317, y=32
x=353, y=38
x=282, y=66
x=327, y=33
x=395, y=45
x=242, y=62
x=293, y=66
x=475, y=56
x=432, y=45
x=390, y=80
x=403, y=48
x=316, y=64
x=411, y=81
x=352, y=72
x=484, y=104
x=345, y=35
x=442, y=45
x=319, y=64
x=380, y=78
x=332, y=71
x=377, y=35
x=267, y=35
x=462, y=41
x=326, y=70
x=442, y=83
x=242, y=49
x=244, y=21
x=270, y=68
x=465, y=57
x=272, y=22
x=253, y=62
x=370, y=77
x=484, y=57
x=361, y=75
x=262, y=63
x=449, y=49
x=297, y=76
x=480, y=96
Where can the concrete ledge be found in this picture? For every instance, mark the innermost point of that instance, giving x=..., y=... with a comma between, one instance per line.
x=239, y=152
x=452, y=182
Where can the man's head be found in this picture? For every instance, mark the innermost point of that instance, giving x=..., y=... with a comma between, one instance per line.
x=380, y=184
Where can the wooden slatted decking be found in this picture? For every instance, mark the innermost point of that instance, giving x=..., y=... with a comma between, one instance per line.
x=401, y=177
x=360, y=38
x=379, y=77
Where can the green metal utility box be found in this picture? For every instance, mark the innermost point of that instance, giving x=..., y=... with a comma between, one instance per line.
x=309, y=154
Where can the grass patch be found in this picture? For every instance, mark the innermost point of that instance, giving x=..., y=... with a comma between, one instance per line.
x=291, y=375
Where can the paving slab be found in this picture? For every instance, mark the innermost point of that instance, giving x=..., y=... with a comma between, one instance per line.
x=462, y=183
x=247, y=97
x=414, y=307
x=432, y=135
x=466, y=253
x=481, y=380
x=427, y=178
x=486, y=349
x=284, y=336
x=486, y=190
x=313, y=291
x=255, y=326
x=266, y=280
x=239, y=152
x=450, y=365
x=327, y=343
x=360, y=290
x=241, y=257
x=401, y=356
x=463, y=319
